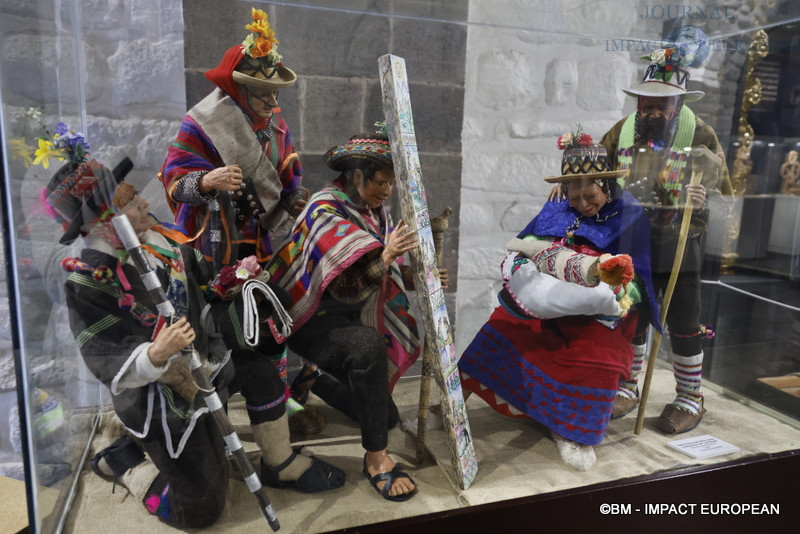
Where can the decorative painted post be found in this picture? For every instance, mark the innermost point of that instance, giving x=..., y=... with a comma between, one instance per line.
x=439, y=352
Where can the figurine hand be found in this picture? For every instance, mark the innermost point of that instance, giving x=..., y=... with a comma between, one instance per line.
x=228, y=178
x=401, y=240
x=444, y=278
x=170, y=340
x=556, y=194
x=300, y=204
x=697, y=193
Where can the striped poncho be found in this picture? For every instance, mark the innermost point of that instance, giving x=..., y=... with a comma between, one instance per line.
x=217, y=132
x=330, y=236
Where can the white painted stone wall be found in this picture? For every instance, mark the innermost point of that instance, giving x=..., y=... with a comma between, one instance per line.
x=525, y=87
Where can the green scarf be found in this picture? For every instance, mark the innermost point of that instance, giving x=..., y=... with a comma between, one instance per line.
x=676, y=160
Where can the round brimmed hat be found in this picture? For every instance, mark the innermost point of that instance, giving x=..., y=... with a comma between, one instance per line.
x=261, y=73
x=666, y=76
x=361, y=148
x=583, y=159
x=261, y=64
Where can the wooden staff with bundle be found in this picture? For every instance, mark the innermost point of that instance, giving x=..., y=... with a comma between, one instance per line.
x=132, y=244
x=703, y=159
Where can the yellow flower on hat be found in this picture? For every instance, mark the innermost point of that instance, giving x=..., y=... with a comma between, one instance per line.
x=261, y=41
x=46, y=151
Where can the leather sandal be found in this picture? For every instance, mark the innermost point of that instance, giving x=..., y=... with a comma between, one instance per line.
x=389, y=478
x=675, y=420
x=120, y=456
x=321, y=476
x=299, y=394
x=623, y=406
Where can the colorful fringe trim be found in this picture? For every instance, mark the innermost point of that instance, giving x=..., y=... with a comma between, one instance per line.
x=158, y=505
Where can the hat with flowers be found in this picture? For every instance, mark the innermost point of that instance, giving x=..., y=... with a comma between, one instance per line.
x=582, y=159
x=361, y=149
x=261, y=65
x=79, y=190
x=667, y=74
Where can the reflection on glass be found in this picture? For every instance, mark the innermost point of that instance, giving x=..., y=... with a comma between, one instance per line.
x=491, y=84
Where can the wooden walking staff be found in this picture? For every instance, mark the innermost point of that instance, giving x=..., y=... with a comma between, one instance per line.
x=134, y=247
x=438, y=226
x=702, y=159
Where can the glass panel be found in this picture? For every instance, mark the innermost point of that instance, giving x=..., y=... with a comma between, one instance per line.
x=492, y=84
x=40, y=68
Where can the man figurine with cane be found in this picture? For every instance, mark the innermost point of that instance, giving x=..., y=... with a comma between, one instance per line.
x=126, y=343
x=654, y=144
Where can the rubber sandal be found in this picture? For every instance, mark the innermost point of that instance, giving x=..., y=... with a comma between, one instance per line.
x=389, y=478
x=300, y=395
x=321, y=476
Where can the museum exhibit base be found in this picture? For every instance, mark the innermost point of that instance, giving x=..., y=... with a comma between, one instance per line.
x=521, y=479
x=737, y=496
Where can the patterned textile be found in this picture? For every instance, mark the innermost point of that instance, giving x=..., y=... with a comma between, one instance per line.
x=563, y=372
x=676, y=160
x=328, y=238
x=620, y=227
x=217, y=132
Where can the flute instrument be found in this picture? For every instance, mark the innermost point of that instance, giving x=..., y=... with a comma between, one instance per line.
x=148, y=274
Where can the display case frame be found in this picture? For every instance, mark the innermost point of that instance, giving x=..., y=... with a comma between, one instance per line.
x=487, y=106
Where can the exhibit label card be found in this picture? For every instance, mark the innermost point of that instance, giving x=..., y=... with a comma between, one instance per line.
x=703, y=447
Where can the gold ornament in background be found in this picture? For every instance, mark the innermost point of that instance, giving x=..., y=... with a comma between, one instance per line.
x=759, y=49
x=742, y=165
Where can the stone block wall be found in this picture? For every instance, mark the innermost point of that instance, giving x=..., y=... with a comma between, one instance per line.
x=334, y=53
x=114, y=71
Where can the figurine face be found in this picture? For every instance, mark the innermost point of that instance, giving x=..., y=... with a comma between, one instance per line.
x=263, y=101
x=586, y=197
x=654, y=107
x=138, y=211
x=375, y=191
x=654, y=113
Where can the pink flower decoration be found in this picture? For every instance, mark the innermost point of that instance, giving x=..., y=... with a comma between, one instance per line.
x=251, y=264
x=585, y=140
x=152, y=503
x=564, y=141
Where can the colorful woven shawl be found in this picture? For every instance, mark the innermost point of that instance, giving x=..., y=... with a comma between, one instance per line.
x=214, y=133
x=328, y=237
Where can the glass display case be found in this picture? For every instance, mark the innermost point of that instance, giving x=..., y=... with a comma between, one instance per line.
x=492, y=86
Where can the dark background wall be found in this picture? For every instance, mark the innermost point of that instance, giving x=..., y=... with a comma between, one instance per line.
x=334, y=53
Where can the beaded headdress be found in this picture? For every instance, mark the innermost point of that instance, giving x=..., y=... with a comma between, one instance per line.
x=370, y=147
x=582, y=159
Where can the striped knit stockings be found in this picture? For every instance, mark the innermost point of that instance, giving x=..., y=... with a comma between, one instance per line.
x=630, y=388
x=688, y=371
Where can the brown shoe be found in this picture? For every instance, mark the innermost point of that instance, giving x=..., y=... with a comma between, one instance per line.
x=623, y=406
x=674, y=420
